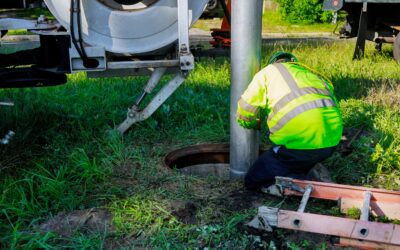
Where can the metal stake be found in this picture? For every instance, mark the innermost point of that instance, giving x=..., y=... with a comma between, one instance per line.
x=304, y=200
x=246, y=60
x=365, y=208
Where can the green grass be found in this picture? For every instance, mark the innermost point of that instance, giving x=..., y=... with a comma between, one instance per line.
x=33, y=13
x=273, y=22
x=65, y=157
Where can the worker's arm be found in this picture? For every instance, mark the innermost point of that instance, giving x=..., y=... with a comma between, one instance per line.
x=251, y=102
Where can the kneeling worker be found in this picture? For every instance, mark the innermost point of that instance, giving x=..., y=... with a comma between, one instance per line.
x=303, y=118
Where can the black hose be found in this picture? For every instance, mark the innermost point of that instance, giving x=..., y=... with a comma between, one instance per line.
x=80, y=29
x=87, y=62
x=72, y=29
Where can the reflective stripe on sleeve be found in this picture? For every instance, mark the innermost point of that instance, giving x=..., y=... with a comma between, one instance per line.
x=248, y=107
x=301, y=109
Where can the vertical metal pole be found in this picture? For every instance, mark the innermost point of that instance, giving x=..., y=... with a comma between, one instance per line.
x=366, y=204
x=245, y=62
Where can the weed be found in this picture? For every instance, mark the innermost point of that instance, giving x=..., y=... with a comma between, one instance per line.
x=64, y=158
x=354, y=213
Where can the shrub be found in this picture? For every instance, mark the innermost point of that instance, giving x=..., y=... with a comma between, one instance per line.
x=304, y=11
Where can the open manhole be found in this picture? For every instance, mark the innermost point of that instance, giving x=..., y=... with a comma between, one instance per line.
x=202, y=160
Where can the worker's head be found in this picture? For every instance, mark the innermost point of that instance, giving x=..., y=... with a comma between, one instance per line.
x=281, y=56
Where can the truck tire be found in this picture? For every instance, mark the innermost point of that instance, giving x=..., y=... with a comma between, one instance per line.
x=396, y=48
x=213, y=9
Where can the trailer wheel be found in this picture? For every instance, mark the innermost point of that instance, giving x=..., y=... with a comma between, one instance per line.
x=396, y=48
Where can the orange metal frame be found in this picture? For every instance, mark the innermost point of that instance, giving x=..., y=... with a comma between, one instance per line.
x=362, y=233
x=374, y=233
x=383, y=202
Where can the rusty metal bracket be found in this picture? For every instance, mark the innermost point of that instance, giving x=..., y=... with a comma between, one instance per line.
x=287, y=183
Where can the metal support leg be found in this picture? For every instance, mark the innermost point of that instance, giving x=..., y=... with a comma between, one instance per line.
x=362, y=34
x=245, y=61
x=151, y=84
x=185, y=56
x=135, y=116
x=186, y=63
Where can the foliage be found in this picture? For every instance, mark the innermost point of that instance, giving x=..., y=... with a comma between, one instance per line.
x=65, y=158
x=354, y=213
x=304, y=11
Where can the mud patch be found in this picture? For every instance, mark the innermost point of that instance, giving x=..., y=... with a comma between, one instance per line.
x=90, y=221
x=184, y=211
x=243, y=199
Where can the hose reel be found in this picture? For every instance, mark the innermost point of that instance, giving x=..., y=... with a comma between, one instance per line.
x=127, y=26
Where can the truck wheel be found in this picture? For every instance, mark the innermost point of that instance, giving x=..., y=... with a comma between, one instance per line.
x=396, y=48
x=213, y=9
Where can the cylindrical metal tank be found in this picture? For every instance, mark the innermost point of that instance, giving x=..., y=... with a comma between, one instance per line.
x=127, y=26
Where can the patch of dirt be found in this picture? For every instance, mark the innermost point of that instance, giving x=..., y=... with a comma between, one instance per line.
x=90, y=221
x=125, y=169
x=243, y=199
x=288, y=240
x=127, y=242
x=184, y=211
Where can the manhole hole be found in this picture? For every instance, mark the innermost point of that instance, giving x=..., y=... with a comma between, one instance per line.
x=203, y=160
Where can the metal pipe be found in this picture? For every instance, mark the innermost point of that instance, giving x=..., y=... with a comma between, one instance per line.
x=143, y=64
x=388, y=39
x=366, y=204
x=245, y=63
x=304, y=200
x=6, y=103
x=150, y=85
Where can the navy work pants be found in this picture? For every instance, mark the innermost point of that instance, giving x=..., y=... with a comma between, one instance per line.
x=292, y=163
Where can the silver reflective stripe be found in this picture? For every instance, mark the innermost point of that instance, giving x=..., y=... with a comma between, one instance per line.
x=286, y=76
x=301, y=109
x=297, y=93
x=326, y=85
x=295, y=90
x=248, y=107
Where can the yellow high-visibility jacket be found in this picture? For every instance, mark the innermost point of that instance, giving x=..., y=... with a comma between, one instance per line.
x=302, y=110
